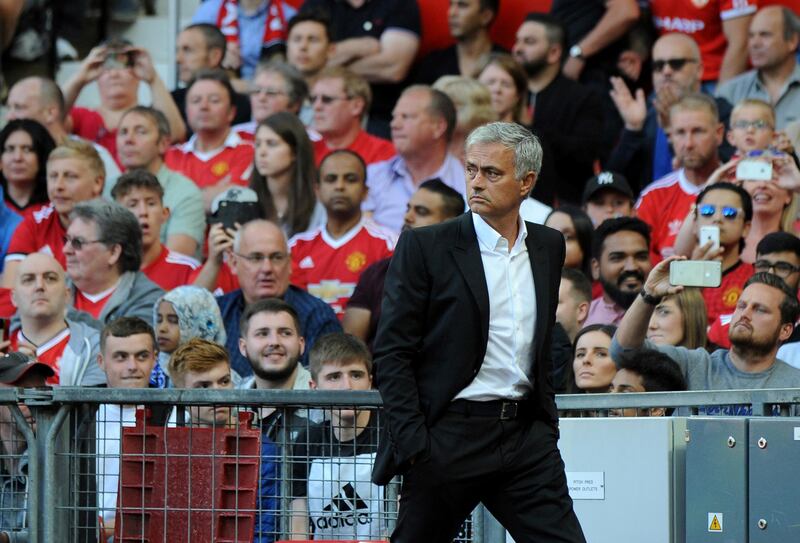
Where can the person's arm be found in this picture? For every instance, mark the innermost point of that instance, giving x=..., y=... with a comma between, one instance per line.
x=633, y=328
x=356, y=322
x=88, y=71
x=220, y=240
x=391, y=64
x=734, y=62
x=182, y=243
x=299, y=519
x=10, y=11
x=619, y=17
x=351, y=49
x=162, y=99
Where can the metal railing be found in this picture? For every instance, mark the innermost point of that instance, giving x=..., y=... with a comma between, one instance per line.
x=73, y=435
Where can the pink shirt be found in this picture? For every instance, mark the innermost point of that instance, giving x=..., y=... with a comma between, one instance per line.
x=602, y=312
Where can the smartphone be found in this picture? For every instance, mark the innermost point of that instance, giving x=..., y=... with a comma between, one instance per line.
x=709, y=233
x=754, y=170
x=695, y=273
x=228, y=213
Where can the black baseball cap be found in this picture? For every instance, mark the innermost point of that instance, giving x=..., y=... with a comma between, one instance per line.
x=15, y=366
x=606, y=180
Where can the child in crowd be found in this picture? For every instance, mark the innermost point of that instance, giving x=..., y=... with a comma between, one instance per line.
x=182, y=314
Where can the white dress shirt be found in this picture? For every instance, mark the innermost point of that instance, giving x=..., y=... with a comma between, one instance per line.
x=512, y=317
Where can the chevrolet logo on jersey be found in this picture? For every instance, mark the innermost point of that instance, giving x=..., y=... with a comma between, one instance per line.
x=330, y=290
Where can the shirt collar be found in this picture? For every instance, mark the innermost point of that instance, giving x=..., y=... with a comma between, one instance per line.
x=231, y=140
x=491, y=239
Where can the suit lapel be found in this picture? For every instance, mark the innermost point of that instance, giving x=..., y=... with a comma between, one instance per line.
x=467, y=255
x=540, y=264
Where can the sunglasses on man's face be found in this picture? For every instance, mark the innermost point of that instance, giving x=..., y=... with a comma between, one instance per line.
x=709, y=210
x=675, y=64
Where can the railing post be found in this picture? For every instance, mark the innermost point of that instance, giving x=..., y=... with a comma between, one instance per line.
x=53, y=464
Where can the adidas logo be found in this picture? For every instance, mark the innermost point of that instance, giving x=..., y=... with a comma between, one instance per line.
x=306, y=263
x=344, y=510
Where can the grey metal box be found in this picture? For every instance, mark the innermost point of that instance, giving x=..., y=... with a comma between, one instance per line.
x=774, y=446
x=716, y=480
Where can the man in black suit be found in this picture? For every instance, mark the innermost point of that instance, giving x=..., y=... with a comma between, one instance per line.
x=463, y=359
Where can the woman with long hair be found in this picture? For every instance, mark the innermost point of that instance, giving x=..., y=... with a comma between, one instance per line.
x=285, y=174
x=576, y=227
x=680, y=319
x=25, y=145
x=508, y=85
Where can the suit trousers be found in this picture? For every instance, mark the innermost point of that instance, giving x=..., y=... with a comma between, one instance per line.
x=512, y=466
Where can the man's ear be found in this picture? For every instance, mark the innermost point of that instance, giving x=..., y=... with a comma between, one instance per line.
x=215, y=57
x=786, y=331
x=242, y=349
x=312, y=384
x=583, y=312
x=595, y=269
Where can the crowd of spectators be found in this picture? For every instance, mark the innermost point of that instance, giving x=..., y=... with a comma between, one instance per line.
x=236, y=231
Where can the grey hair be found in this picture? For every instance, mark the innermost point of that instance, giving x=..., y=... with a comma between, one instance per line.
x=237, y=235
x=115, y=225
x=296, y=87
x=526, y=147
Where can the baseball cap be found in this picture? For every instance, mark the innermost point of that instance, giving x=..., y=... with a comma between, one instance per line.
x=14, y=366
x=606, y=180
x=234, y=194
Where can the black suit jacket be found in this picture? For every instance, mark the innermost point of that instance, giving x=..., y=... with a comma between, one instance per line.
x=434, y=328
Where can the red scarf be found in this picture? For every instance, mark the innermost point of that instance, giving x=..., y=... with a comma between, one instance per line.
x=274, y=29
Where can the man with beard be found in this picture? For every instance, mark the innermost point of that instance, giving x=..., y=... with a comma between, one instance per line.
x=566, y=115
x=327, y=261
x=763, y=319
x=643, y=152
x=620, y=261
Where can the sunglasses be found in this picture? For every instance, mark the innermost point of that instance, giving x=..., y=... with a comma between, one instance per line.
x=80, y=243
x=675, y=64
x=325, y=99
x=708, y=210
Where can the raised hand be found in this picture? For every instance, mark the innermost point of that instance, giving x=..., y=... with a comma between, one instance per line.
x=633, y=110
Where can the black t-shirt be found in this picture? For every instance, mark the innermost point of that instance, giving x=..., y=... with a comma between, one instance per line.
x=368, y=294
x=372, y=19
x=442, y=62
x=335, y=479
x=241, y=101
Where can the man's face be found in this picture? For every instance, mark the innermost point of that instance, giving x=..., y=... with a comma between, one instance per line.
x=623, y=267
x=94, y=261
x=413, y=127
x=765, y=42
x=424, y=208
x=307, y=47
x=531, y=47
x=117, y=86
x=628, y=381
x=695, y=136
x=492, y=188
x=268, y=95
x=744, y=135
x=139, y=145
x=273, y=345
x=69, y=182
x=465, y=18
x=345, y=375
x=269, y=277
x=731, y=230
x=783, y=259
x=608, y=204
x=128, y=361
x=208, y=106
x=216, y=378
x=24, y=102
x=40, y=290
x=756, y=324
x=679, y=80
x=570, y=312
x=342, y=186
x=340, y=112
x=191, y=54
x=146, y=205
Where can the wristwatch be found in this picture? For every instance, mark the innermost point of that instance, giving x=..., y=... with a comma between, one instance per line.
x=649, y=298
x=576, y=52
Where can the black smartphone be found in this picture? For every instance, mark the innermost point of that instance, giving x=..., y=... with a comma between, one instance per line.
x=228, y=213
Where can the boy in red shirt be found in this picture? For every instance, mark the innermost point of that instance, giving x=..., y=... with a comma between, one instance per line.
x=142, y=194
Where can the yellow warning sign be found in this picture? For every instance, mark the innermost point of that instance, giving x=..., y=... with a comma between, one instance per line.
x=715, y=522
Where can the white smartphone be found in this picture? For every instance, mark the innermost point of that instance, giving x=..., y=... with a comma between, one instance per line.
x=695, y=273
x=709, y=233
x=754, y=170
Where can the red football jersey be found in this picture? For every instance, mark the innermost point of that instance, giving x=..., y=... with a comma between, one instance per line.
x=370, y=148
x=664, y=205
x=329, y=268
x=702, y=20
x=722, y=300
x=234, y=159
x=171, y=269
x=49, y=353
x=92, y=304
x=7, y=307
x=89, y=124
x=39, y=232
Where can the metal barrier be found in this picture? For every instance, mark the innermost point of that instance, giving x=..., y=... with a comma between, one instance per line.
x=281, y=472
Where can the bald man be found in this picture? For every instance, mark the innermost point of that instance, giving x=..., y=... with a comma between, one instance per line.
x=70, y=348
x=41, y=99
x=643, y=152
